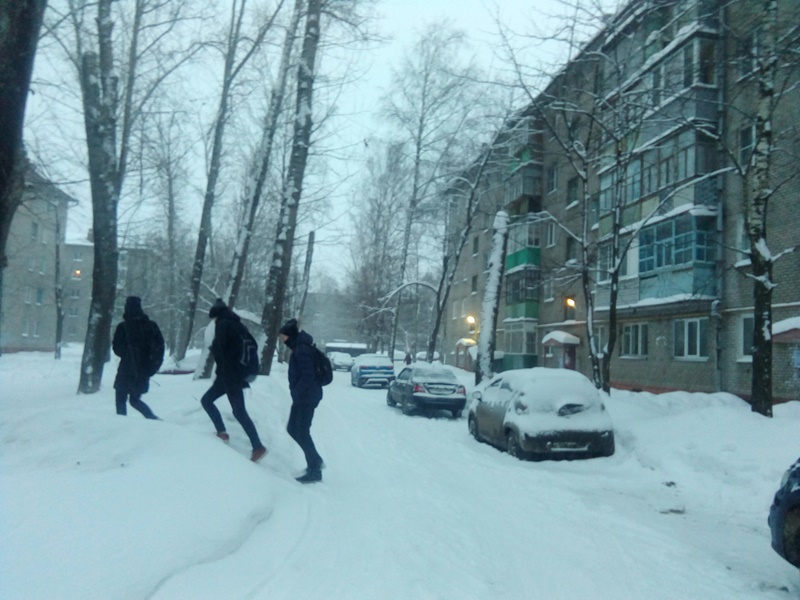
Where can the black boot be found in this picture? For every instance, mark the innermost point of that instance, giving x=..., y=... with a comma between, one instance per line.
x=311, y=476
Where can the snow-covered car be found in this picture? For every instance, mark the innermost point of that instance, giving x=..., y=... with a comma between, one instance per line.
x=426, y=387
x=340, y=360
x=542, y=413
x=784, y=516
x=371, y=370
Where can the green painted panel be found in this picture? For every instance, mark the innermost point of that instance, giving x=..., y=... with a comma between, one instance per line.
x=526, y=256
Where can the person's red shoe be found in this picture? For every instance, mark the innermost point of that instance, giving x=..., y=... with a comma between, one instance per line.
x=223, y=436
x=258, y=454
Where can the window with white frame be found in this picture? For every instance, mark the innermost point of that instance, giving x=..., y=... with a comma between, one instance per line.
x=746, y=334
x=36, y=329
x=551, y=234
x=634, y=339
x=552, y=179
x=691, y=338
x=573, y=190
x=547, y=289
x=34, y=231
x=454, y=310
x=77, y=255
x=474, y=285
x=475, y=245
x=708, y=63
x=75, y=293
x=523, y=235
x=520, y=337
x=25, y=326
x=39, y=296
x=600, y=339
x=72, y=312
x=748, y=53
x=28, y=294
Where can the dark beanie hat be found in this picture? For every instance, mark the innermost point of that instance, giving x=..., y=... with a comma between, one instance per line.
x=218, y=308
x=289, y=328
x=133, y=306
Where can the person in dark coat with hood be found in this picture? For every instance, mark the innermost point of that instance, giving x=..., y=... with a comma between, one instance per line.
x=140, y=346
x=227, y=350
x=306, y=394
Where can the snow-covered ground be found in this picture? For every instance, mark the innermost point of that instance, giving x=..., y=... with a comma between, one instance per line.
x=93, y=505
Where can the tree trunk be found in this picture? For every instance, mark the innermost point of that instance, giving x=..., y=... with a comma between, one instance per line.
x=758, y=191
x=301, y=305
x=20, y=22
x=491, y=299
x=59, y=289
x=99, y=87
x=262, y=159
x=282, y=256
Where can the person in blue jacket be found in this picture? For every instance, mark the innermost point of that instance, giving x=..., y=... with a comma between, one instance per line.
x=306, y=394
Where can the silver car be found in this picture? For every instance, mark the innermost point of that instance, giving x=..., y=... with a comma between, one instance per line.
x=542, y=413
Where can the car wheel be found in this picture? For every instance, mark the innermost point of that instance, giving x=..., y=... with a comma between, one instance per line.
x=456, y=414
x=389, y=400
x=512, y=445
x=472, y=424
x=406, y=407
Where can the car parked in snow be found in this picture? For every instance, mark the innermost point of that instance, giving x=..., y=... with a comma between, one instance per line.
x=371, y=370
x=341, y=360
x=784, y=516
x=542, y=413
x=421, y=386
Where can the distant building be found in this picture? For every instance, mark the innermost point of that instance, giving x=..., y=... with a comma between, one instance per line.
x=35, y=238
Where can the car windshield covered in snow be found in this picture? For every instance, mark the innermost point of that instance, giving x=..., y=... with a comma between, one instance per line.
x=428, y=374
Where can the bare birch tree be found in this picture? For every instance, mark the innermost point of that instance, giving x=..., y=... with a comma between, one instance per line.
x=232, y=66
x=278, y=276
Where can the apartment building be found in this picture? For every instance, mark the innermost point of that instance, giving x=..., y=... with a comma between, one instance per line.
x=664, y=102
x=34, y=245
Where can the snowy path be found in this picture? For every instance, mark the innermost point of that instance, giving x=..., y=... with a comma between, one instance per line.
x=412, y=507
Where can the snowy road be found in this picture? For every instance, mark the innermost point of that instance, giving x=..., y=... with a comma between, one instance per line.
x=412, y=507
x=98, y=507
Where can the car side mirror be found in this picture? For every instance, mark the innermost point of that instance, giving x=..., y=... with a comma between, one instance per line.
x=477, y=396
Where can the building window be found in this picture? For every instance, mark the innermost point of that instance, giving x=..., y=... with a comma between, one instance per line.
x=633, y=187
x=39, y=296
x=600, y=339
x=745, y=145
x=572, y=249
x=28, y=294
x=691, y=338
x=547, y=290
x=475, y=246
x=523, y=235
x=634, y=340
x=551, y=235
x=36, y=329
x=747, y=336
x=707, y=73
x=72, y=312
x=77, y=255
x=552, y=179
x=520, y=337
x=573, y=188
x=34, y=231
x=75, y=293
x=680, y=241
x=748, y=53
x=25, y=328
x=522, y=285
x=41, y=266
x=688, y=66
x=474, y=286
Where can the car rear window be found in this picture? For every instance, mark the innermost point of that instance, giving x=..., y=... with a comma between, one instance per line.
x=435, y=375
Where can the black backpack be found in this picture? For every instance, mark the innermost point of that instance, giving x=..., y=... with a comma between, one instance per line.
x=155, y=350
x=323, y=369
x=248, y=359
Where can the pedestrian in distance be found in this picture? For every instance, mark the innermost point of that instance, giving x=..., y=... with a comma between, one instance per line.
x=306, y=394
x=230, y=336
x=140, y=346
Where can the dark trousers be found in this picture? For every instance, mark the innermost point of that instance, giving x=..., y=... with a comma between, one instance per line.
x=299, y=427
x=136, y=402
x=236, y=398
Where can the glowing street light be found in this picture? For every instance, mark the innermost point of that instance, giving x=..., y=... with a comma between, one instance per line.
x=570, y=302
x=471, y=319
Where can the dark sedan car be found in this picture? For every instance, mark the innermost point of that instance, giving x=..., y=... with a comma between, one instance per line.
x=426, y=387
x=542, y=413
x=784, y=516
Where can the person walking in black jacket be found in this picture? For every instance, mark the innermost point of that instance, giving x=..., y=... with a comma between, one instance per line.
x=306, y=394
x=227, y=351
x=140, y=346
